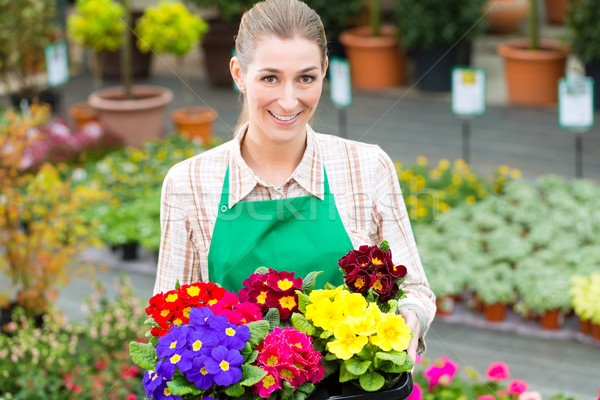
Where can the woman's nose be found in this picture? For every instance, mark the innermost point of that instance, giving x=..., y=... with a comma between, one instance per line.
x=287, y=99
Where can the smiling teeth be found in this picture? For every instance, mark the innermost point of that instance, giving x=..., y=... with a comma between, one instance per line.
x=283, y=118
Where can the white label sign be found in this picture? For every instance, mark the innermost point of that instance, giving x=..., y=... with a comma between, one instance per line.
x=340, y=86
x=468, y=91
x=576, y=103
x=57, y=63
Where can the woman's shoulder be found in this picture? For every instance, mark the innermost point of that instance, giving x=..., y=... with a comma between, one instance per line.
x=336, y=148
x=202, y=167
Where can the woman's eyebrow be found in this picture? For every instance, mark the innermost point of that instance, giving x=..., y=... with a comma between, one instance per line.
x=276, y=71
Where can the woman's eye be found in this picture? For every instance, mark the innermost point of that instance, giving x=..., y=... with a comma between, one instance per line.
x=270, y=79
x=306, y=79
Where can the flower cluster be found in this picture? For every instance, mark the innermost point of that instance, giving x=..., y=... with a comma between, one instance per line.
x=273, y=289
x=206, y=350
x=370, y=268
x=173, y=307
x=287, y=355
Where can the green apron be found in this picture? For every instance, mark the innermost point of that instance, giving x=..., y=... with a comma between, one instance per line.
x=300, y=234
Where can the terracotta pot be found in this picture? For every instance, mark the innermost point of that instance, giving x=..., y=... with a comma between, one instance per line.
x=136, y=120
x=532, y=75
x=595, y=329
x=495, y=312
x=445, y=305
x=195, y=122
x=505, y=16
x=375, y=62
x=556, y=10
x=551, y=319
x=82, y=113
x=585, y=326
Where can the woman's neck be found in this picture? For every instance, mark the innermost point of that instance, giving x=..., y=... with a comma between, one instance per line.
x=272, y=161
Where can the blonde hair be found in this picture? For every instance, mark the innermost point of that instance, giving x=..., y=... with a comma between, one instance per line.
x=285, y=19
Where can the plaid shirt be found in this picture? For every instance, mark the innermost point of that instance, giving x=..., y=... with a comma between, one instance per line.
x=361, y=176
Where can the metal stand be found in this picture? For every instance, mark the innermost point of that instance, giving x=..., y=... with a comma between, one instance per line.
x=466, y=140
x=579, y=154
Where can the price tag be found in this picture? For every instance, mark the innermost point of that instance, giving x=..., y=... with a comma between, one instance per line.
x=468, y=91
x=57, y=63
x=340, y=86
x=576, y=103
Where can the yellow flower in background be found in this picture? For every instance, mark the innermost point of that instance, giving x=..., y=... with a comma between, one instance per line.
x=422, y=161
x=456, y=180
x=346, y=343
x=353, y=304
x=459, y=163
x=516, y=173
x=443, y=207
x=392, y=333
x=422, y=212
x=444, y=164
x=436, y=174
x=504, y=169
x=470, y=200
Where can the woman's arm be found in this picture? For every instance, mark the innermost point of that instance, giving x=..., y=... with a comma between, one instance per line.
x=393, y=225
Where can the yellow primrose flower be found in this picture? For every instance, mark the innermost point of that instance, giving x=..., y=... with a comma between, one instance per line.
x=316, y=296
x=354, y=305
x=392, y=333
x=363, y=325
x=374, y=312
x=346, y=343
x=327, y=315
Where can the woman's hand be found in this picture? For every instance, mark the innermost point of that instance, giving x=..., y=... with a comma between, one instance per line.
x=410, y=316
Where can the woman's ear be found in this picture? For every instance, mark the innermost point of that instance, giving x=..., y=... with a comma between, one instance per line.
x=236, y=73
x=326, y=64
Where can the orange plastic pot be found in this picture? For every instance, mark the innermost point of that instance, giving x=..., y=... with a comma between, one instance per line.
x=495, y=312
x=585, y=326
x=375, y=62
x=551, y=319
x=195, y=122
x=532, y=75
x=556, y=10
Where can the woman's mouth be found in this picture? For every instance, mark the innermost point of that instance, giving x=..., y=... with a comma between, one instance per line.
x=284, y=119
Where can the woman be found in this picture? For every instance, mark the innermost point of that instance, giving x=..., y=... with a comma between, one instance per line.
x=279, y=194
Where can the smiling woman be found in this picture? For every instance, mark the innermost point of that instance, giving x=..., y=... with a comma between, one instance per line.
x=279, y=194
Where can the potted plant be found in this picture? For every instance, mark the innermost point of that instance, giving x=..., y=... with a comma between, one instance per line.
x=583, y=30
x=373, y=51
x=495, y=287
x=582, y=299
x=505, y=16
x=440, y=33
x=170, y=28
x=133, y=112
x=27, y=27
x=218, y=43
x=533, y=66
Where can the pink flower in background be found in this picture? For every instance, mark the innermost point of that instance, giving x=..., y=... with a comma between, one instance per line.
x=418, y=359
x=417, y=392
x=486, y=397
x=497, y=371
x=442, y=372
x=517, y=387
x=530, y=396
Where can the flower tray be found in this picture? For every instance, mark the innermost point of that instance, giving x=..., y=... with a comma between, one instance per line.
x=400, y=391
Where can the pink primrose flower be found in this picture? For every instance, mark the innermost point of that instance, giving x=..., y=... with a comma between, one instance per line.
x=517, y=387
x=440, y=373
x=486, y=397
x=497, y=371
x=417, y=393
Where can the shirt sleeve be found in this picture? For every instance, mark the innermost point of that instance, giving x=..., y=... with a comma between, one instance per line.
x=393, y=225
x=178, y=256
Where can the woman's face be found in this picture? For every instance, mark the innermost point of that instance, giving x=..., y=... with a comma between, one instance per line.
x=283, y=85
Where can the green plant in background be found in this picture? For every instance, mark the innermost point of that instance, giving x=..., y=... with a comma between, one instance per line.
x=229, y=11
x=495, y=284
x=585, y=296
x=583, y=29
x=27, y=27
x=428, y=24
x=84, y=360
x=337, y=16
x=96, y=24
x=429, y=192
x=542, y=289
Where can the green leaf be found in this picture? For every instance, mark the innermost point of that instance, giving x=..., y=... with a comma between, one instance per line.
x=177, y=284
x=331, y=367
x=153, y=341
x=143, y=354
x=303, y=301
x=180, y=386
x=326, y=334
x=356, y=366
x=330, y=357
x=235, y=390
x=152, y=322
x=262, y=270
x=346, y=375
x=251, y=375
x=247, y=351
x=258, y=332
x=308, y=283
x=392, y=362
x=300, y=322
x=287, y=390
x=299, y=395
x=364, y=354
x=371, y=381
x=252, y=357
x=273, y=317
x=307, y=387
x=384, y=246
x=329, y=286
